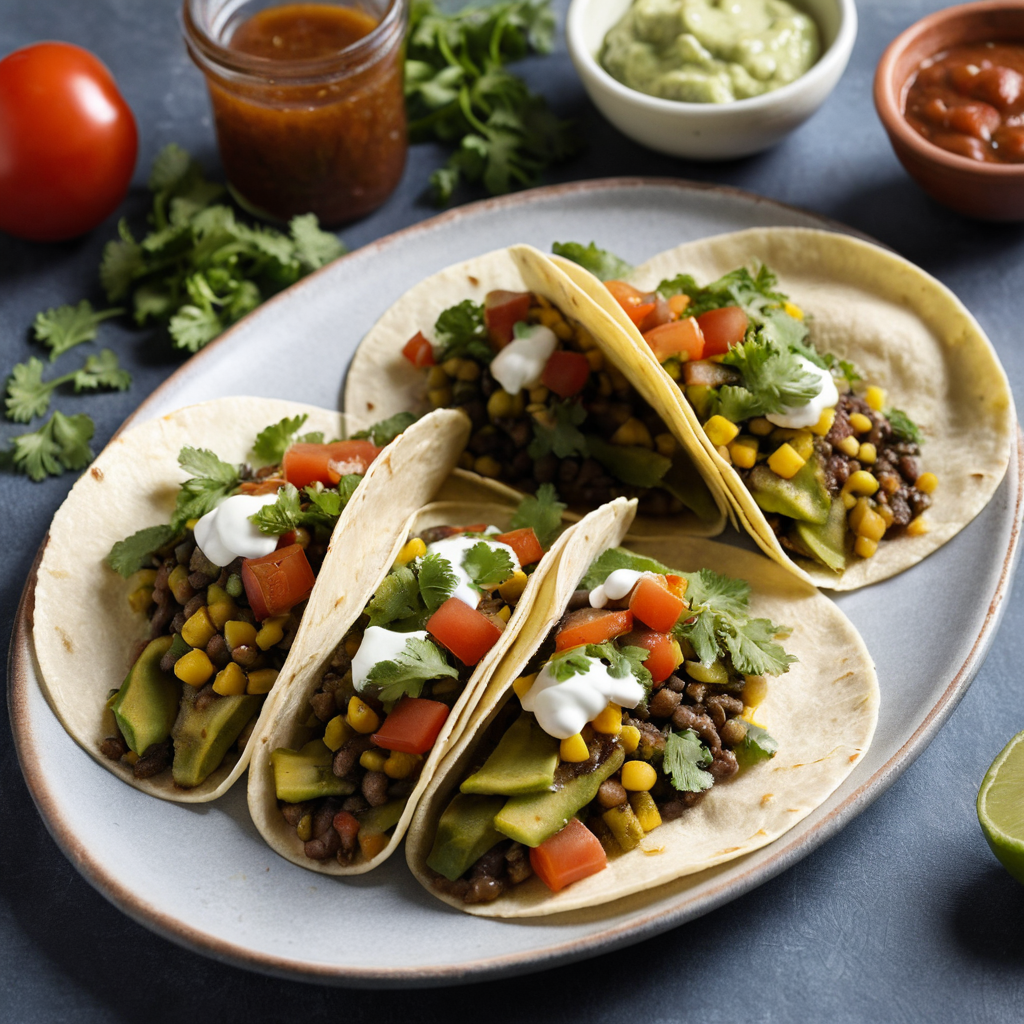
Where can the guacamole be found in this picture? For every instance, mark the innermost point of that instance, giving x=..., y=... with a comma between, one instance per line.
x=710, y=51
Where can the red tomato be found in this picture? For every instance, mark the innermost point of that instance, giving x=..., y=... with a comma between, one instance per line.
x=467, y=633
x=502, y=311
x=722, y=328
x=568, y=856
x=592, y=626
x=637, y=304
x=524, y=543
x=654, y=605
x=664, y=657
x=443, y=532
x=419, y=351
x=412, y=726
x=661, y=314
x=679, y=338
x=277, y=582
x=306, y=462
x=68, y=142
x=566, y=373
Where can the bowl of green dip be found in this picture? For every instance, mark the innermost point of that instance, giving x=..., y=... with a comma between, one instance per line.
x=710, y=79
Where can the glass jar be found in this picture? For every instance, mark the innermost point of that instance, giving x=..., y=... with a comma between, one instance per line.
x=307, y=101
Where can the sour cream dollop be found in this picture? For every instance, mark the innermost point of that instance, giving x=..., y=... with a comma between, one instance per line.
x=225, y=532
x=807, y=415
x=379, y=644
x=453, y=550
x=562, y=709
x=521, y=362
x=615, y=588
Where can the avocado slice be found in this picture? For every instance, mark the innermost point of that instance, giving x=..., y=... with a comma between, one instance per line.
x=380, y=819
x=306, y=774
x=202, y=738
x=804, y=497
x=630, y=463
x=827, y=541
x=465, y=832
x=147, y=703
x=524, y=761
x=532, y=818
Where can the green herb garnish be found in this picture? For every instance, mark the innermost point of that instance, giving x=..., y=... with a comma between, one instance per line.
x=28, y=395
x=462, y=334
x=685, y=759
x=542, y=512
x=404, y=675
x=59, y=444
x=564, y=438
x=604, y=265
x=65, y=327
x=903, y=426
x=773, y=380
x=487, y=566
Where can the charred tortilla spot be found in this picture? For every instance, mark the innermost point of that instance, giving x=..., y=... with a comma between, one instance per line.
x=97, y=473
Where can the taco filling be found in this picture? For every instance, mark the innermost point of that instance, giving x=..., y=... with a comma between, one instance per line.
x=834, y=470
x=638, y=702
x=224, y=585
x=425, y=635
x=547, y=407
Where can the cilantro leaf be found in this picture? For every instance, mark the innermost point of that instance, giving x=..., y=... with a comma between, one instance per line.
x=773, y=380
x=620, y=558
x=281, y=516
x=322, y=511
x=29, y=396
x=192, y=327
x=903, y=426
x=273, y=441
x=567, y=664
x=328, y=502
x=757, y=745
x=64, y=327
x=487, y=566
x=417, y=663
x=212, y=481
x=59, y=444
x=436, y=580
x=135, y=552
x=386, y=431
x=604, y=265
x=624, y=661
x=461, y=333
x=314, y=247
x=684, y=761
x=101, y=371
x=397, y=597
x=753, y=649
x=541, y=511
x=202, y=462
x=346, y=487
x=123, y=261
x=562, y=437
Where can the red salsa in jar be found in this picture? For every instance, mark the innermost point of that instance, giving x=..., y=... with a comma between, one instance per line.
x=969, y=100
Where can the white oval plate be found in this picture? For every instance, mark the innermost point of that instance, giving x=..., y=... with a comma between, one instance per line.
x=201, y=876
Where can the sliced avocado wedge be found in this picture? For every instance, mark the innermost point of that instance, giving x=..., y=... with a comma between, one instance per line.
x=147, y=703
x=804, y=497
x=306, y=774
x=532, y=818
x=827, y=542
x=380, y=819
x=524, y=761
x=630, y=463
x=465, y=832
x=202, y=738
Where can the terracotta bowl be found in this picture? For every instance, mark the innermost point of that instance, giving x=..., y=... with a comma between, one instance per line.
x=987, y=190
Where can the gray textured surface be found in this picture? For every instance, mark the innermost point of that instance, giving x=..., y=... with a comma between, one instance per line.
x=904, y=916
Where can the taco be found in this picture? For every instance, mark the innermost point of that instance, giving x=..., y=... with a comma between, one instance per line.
x=350, y=746
x=522, y=350
x=669, y=708
x=853, y=407
x=227, y=582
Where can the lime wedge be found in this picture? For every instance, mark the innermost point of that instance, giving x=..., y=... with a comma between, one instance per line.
x=1001, y=806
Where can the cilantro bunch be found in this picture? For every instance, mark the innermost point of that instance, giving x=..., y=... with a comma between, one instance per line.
x=457, y=90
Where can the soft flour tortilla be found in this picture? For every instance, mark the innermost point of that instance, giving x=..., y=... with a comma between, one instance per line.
x=84, y=630
x=904, y=331
x=822, y=712
x=464, y=499
x=382, y=382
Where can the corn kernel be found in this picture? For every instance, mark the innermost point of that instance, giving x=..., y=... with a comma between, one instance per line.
x=864, y=547
x=574, y=749
x=488, y=466
x=436, y=377
x=595, y=360
x=539, y=394
x=179, y=585
x=194, y=668
x=337, y=732
x=849, y=446
x=875, y=397
x=867, y=453
x=373, y=759
x=871, y=526
x=609, y=721
x=451, y=366
x=130, y=758
x=785, y=461
x=414, y=548
x=633, y=432
x=849, y=500
x=825, y=421
x=858, y=511
x=222, y=612
x=755, y=689
x=792, y=310
x=504, y=613
x=469, y=370
x=926, y=483
x=665, y=444
x=239, y=634
x=917, y=527
x=522, y=685
x=584, y=338
x=501, y=405
x=271, y=632
x=439, y=397
x=362, y=717
x=261, y=680
x=400, y=765
x=638, y=776
x=720, y=430
x=743, y=452
x=673, y=367
x=886, y=513
x=861, y=423
x=861, y=482
x=760, y=426
x=140, y=599
x=371, y=843
x=549, y=317
x=304, y=829
x=563, y=331
x=512, y=589
x=230, y=681
x=142, y=578
x=629, y=738
x=645, y=809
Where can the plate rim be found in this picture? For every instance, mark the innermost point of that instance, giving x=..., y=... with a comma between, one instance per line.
x=23, y=672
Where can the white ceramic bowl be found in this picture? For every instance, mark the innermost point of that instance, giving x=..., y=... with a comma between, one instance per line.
x=709, y=131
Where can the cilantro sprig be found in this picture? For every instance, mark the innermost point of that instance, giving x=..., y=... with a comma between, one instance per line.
x=462, y=334
x=60, y=444
x=487, y=566
x=561, y=435
x=28, y=395
x=604, y=265
x=542, y=512
x=64, y=327
x=773, y=380
x=903, y=426
x=684, y=761
x=405, y=675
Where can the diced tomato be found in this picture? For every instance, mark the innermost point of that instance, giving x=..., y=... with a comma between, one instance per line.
x=305, y=462
x=665, y=655
x=655, y=605
x=412, y=726
x=709, y=374
x=677, y=585
x=347, y=826
x=277, y=582
x=419, y=351
x=568, y=856
x=661, y=314
x=467, y=633
x=442, y=532
x=286, y=539
x=592, y=626
x=524, y=543
x=566, y=373
x=677, y=304
x=679, y=338
x=637, y=304
x=502, y=311
x=722, y=328
x=268, y=485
